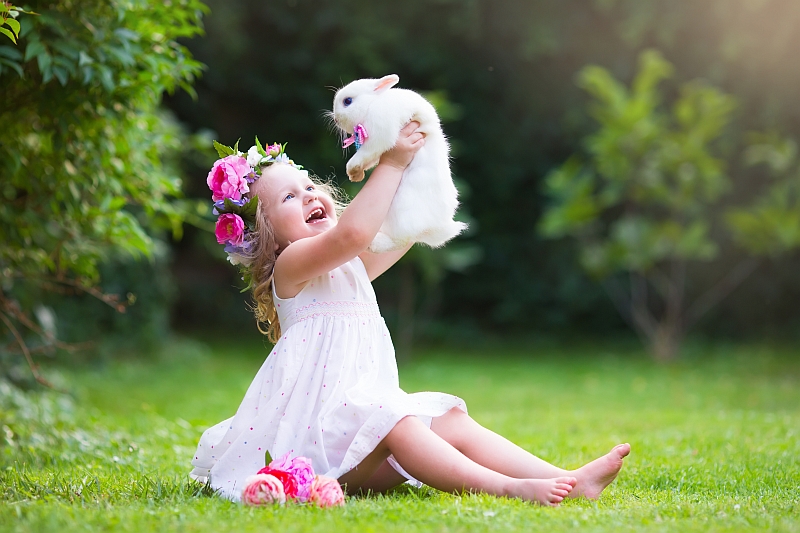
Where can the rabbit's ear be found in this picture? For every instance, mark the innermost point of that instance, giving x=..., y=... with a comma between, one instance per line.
x=386, y=82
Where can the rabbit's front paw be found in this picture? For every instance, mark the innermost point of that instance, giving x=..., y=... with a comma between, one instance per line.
x=355, y=172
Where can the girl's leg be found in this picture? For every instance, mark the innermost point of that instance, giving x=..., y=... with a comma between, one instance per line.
x=384, y=478
x=430, y=459
x=489, y=449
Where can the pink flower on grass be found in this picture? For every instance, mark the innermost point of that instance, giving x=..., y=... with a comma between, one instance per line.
x=288, y=480
x=227, y=178
x=230, y=229
x=263, y=489
x=300, y=468
x=326, y=492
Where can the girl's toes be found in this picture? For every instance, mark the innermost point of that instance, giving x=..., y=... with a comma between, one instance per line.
x=622, y=449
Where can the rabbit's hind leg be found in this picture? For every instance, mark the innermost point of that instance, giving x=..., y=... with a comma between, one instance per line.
x=436, y=237
x=383, y=243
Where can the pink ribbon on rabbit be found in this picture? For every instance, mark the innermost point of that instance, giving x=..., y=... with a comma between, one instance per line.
x=358, y=138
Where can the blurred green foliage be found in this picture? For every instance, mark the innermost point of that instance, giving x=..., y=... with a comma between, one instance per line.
x=83, y=118
x=772, y=225
x=645, y=199
x=88, y=161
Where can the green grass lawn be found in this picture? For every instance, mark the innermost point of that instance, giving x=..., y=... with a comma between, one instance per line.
x=716, y=442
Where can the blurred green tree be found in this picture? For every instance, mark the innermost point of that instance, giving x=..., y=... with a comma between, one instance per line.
x=644, y=201
x=87, y=157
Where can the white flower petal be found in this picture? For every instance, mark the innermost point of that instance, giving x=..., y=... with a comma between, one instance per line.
x=253, y=156
x=238, y=259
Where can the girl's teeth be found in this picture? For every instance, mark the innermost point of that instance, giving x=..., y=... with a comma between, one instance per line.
x=315, y=212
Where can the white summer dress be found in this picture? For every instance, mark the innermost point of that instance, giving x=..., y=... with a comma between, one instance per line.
x=328, y=391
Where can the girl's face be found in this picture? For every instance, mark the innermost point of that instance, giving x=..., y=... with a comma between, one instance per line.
x=293, y=204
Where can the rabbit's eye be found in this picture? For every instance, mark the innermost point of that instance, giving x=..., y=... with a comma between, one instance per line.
x=348, y=101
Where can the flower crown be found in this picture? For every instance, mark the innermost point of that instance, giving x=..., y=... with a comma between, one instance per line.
x=229, y=180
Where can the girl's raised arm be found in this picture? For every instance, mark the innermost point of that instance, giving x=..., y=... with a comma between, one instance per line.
x=310, y=257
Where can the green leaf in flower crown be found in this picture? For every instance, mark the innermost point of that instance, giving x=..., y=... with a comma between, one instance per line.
x=223, y=150
x=260, y=148
x=230, y=207
x=249, y=209
x=267, y=458
x=236, y=146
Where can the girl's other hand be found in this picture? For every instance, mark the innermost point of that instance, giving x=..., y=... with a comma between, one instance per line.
x=408, y=143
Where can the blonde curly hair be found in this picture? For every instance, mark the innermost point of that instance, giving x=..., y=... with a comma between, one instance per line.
x=264, y=256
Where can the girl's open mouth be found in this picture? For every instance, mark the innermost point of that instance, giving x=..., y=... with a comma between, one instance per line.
x=317, y=215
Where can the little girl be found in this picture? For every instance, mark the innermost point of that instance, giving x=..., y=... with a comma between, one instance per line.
x=329, y=389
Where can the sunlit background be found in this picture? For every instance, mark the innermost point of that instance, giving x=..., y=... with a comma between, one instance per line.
x=505, y=76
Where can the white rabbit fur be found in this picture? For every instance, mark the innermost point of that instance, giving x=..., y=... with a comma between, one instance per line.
x=426, y=200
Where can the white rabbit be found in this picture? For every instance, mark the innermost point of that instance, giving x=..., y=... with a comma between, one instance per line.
x=426, y=200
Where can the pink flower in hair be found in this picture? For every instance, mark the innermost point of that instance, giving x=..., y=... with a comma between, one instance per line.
x=230, y=229
x=326, y=492
x=227, y=178
x=301, y=469
x=263, y=489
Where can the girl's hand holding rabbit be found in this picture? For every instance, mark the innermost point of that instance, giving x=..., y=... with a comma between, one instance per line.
x=408, y=143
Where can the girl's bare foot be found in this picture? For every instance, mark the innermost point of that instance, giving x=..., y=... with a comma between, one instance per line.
x=595, y=476
x=549, y=492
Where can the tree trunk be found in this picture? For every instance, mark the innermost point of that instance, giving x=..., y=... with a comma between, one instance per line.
x=666, y=340
x=664, y=334
x=665, y=344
